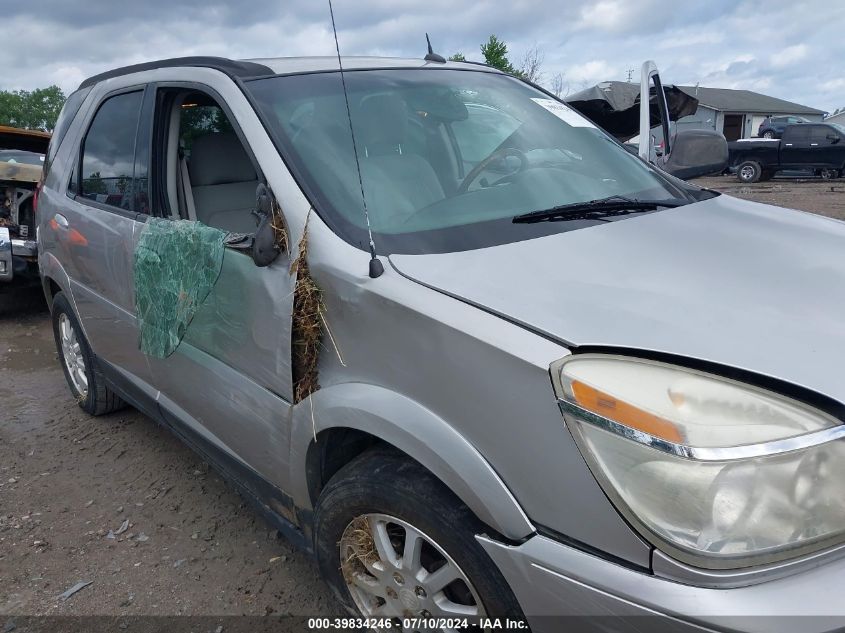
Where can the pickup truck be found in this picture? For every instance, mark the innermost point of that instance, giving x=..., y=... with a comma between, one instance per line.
x=21, y=159
x=815, y=147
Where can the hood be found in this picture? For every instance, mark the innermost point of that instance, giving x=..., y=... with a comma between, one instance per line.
x=747, y=285
x=615, y=106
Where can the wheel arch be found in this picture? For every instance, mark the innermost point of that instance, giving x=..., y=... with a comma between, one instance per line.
x=347, y=419
x=53, y=278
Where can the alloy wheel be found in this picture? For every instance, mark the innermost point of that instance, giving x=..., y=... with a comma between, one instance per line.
x=394, y=570
x=746, y=173
x=72, y=356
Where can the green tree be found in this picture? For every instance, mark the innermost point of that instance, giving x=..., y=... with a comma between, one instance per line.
x=457, y=57
x=94, y=184
x=33, y=110
x=495, y=53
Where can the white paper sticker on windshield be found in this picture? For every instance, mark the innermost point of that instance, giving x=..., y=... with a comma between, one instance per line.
x=564, y=113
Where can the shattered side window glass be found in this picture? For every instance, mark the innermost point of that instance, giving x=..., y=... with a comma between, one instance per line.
x=176, y=265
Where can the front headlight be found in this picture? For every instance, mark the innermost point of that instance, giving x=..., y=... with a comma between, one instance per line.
x=714, y=472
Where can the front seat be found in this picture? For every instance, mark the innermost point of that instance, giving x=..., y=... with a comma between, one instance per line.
x=397, y=182
x=223, y=182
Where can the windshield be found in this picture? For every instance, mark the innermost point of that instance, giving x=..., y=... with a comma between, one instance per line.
x=448, y=157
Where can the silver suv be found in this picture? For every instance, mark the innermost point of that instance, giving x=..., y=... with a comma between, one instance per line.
x=457, y=342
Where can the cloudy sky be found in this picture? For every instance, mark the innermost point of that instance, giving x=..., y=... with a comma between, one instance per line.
x=794, y=50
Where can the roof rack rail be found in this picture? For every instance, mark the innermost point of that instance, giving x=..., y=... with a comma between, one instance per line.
x=469, y=61
x=228, y=66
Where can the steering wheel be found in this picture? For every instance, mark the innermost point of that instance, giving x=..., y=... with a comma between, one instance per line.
x=480, y=167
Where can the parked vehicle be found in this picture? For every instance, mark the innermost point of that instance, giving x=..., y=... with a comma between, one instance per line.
x=818, y=148
x=773, y=126
x=550, y=381
x=20, y=171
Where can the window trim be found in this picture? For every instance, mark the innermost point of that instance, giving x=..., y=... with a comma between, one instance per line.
x=70, y=111
x=80, y=150
x=158, y=153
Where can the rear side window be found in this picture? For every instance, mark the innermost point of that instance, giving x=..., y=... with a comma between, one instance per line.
x=108, y=152
x=796, y=134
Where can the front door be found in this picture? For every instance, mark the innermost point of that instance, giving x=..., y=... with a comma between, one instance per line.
x=96, y=226
x=827, y=151
x=229, y=379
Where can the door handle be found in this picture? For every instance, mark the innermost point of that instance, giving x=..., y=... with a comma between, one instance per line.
x=61, y=220
x=814, y=144
x=787, y=144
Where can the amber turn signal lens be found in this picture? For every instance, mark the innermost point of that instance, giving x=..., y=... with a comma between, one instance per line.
x=609, y=407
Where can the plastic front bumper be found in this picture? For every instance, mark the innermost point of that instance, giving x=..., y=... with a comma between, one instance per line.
x=561, y=588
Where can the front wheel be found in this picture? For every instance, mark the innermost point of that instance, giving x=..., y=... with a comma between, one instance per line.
x=393, y=542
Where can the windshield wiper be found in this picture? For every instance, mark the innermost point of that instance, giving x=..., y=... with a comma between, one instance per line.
x=596, y=209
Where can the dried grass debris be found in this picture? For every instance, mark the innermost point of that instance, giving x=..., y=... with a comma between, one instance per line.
x=306, y=326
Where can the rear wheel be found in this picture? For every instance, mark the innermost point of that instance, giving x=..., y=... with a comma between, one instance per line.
x=392, y=541
x=829, y=174
x=82, y=372
x=768, y=134
x=749, y=171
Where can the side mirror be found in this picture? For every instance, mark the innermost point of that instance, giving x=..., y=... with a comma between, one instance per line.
x=267, y=245
x=696, y=153
x=833, y=138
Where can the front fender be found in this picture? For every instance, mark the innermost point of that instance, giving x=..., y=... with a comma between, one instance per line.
x=418, y=432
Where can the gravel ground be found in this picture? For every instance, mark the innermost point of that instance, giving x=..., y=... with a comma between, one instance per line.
x=191, y=545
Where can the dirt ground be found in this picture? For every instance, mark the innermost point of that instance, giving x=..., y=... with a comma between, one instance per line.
x=191, y=546
x=825, y=197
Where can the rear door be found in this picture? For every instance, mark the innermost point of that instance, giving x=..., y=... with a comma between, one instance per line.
x=795, y=151
x=96, y=226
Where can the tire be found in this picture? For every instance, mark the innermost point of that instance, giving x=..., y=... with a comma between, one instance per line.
x=769, y=134
x=749, y=171
x=80, y=366
x=829, y=174
x=403, y=498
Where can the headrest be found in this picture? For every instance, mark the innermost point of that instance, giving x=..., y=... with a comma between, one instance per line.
x=383, y=120
x=218, y=159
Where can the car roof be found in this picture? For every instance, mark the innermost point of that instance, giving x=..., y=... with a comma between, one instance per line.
x=252, y=68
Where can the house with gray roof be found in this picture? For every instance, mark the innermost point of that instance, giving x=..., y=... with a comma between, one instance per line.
x=839, y=118
x=738, y=113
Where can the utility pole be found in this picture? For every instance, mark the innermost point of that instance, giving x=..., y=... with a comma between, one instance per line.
x=630, y=74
